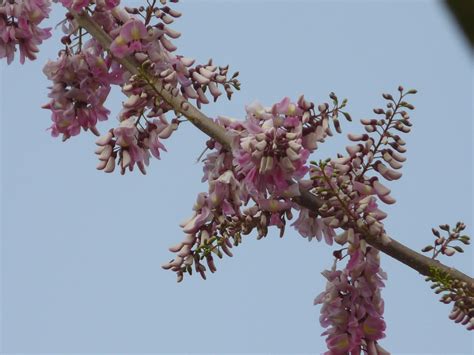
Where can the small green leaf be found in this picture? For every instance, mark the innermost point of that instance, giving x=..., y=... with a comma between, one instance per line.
x=427, y=248
x=347, y=116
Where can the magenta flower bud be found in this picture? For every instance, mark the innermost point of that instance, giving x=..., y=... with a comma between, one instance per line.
x=323, y=107
x=166, y=133
x=357, y=137
x=397, y=156
x=101, y=165
x=226, y=250
x=380, y=189
x=106, y=153
x=269, y=164
x=292, y=154
x=448, y=251
x=367, y=121
x=187, y=61
x=362, y=188
x=189, y=239
x=389, y=200
x=141, y=166
x=370, y=219
x=221, y=79
x=171, y=12
x=206, y=73
x=167, y=266
x=170, y=47
x=126, y=159
x=210, y=263
x=105, y=139
x=386, y=172
x=190, y=93
x=120, y=14
x=201, y=96
x=171, y=77
x=215, y=92
x=110, y=167
x=185, y=251
x=175, y=248
x=393, y=163
x=303, y=104
x=342, y=168
x=356, y=163
x=354, y=149
x=309, y=141
x=369, y=129
x=171, y=33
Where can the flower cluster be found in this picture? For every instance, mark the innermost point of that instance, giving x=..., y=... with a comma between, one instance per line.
x=19, y=27
x=83, y=75
x=79, y=5
x=216, y=219
x=132, y=143
x=352, y=306
x=443, y=245
x=454, y=291
x=252, y=186
x=349, y=194
x=254, y=182
x=81, y=84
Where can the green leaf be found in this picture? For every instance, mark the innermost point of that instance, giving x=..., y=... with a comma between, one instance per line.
x=347, y=116
x=427, y=248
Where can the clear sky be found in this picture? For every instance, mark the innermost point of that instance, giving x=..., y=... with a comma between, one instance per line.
x=82, y=250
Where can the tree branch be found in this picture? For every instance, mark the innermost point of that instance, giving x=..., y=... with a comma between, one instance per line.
x=396, y=250
x=463, y=13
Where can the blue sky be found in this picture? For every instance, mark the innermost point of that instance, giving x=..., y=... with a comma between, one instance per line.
x=81, y=250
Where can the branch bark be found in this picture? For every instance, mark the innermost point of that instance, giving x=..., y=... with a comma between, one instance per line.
x=396, y=250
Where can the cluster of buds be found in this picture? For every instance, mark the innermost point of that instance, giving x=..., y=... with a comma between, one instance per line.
x=352, y=306
x=20, y=27
x=84, y=72
x=218, y=222
x=456, y=292
x=217, y=219
x=79, y=5
x=81, y=84
x=272, y=153
x=150, y=42
x=133, y=143
x=443, y=245
x=349, y=194
x=310, y=225
x=251, y=187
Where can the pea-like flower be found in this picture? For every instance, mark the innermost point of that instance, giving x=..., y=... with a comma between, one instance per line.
x=19, y=28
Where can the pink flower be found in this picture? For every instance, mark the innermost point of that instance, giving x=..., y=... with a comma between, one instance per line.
x=352, y=306
x=271, y=153
x=131, y=39
x=81, y=84
x=339, y=344
x=373, y=328
x=313, y=226
x=76, y=5
x=19, y=26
